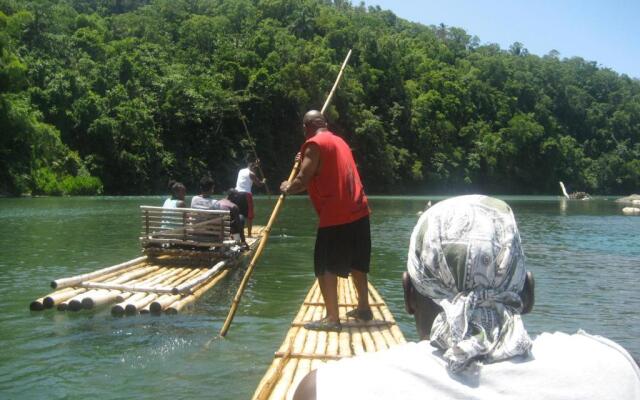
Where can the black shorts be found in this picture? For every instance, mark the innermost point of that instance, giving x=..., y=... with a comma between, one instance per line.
x=341, y=248
x=244, y=201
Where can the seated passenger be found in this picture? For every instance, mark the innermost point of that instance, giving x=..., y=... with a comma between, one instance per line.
x=237, y=219
x=466, y=285
x=178, y=191
x=204, y=201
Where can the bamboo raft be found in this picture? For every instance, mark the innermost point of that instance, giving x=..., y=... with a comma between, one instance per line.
x=302, y=350
x=186, y=253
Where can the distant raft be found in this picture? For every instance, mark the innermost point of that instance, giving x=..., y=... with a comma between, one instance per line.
x=574, y=195
x=186, y=253
x=304, y=350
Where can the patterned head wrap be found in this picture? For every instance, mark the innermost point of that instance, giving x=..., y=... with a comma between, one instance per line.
x=465, y=254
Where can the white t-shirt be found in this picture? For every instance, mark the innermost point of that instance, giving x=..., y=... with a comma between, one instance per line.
x=560, y=366
x=244, y=182
x=170, y=203
x=203, y=203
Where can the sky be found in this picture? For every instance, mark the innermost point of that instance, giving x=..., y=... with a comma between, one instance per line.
x=605, y=31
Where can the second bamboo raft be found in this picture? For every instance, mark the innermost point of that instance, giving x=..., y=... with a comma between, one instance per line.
x=167, y=283
x=302, y=350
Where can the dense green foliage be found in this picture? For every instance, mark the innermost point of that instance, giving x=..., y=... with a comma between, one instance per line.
x=127, y=93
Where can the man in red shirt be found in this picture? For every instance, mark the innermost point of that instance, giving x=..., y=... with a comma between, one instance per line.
x=343, y=241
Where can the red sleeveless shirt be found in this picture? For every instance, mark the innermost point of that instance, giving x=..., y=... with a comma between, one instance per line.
x=336, y=191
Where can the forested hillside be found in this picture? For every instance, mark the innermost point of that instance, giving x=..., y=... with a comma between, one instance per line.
x=119, y=95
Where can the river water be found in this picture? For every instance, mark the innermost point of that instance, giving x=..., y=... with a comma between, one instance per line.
x=585, y=256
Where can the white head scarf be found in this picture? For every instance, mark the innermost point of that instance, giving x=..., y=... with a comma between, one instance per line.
x=465, y=254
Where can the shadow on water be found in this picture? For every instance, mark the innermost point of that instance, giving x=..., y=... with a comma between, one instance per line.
x=585, y=256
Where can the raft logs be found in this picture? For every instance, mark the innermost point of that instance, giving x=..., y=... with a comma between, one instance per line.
x=305, y=350
x=137, y=287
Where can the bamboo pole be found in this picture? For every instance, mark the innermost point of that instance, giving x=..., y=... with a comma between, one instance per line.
x=75, y=303
x=286, y=378
x=111, y=296
x=140, y=305
x=395, y=330
x=37, y=304
x=274, y=372
x=304, y=364
x=71, y=281
x=274, y=214
x=102, y=296
x=178, y=305
x=187, y=287
x=356, y=333
x=56, y=297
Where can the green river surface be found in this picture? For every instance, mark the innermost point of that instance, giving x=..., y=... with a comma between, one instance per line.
x=585, y=256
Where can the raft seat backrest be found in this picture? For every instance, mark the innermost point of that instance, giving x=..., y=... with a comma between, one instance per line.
x=178, y=227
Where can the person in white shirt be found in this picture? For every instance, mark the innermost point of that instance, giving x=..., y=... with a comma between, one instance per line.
x=244, y=184
x=178, y=191
x=466, y=285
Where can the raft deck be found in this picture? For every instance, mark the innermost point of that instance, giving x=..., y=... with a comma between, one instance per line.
x=187, y=252
x=304, y=350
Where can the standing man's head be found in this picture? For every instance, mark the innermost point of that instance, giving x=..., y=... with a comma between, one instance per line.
x=313, y=122
x=206, y=185
x=466, y=281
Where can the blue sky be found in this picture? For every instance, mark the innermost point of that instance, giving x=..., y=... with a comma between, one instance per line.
x=605, y=31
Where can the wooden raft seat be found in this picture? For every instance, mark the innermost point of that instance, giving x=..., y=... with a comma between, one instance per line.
x=185, y=228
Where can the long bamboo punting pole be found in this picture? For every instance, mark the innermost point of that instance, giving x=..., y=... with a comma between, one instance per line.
x=255, y=153
x=71, y=281
x=274, y=214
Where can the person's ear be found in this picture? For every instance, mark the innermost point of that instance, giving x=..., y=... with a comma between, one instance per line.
x=409, y=293
x=528, y=293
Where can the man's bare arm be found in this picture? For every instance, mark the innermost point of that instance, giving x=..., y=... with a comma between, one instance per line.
x=309, y=167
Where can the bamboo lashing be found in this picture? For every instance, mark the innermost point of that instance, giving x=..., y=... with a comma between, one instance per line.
x=304, y=350
x=274, y=214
